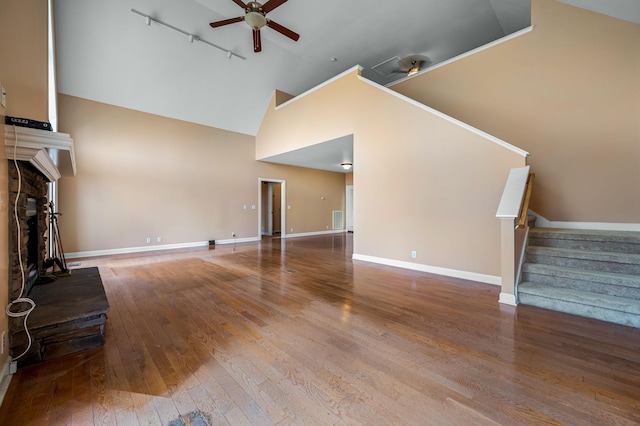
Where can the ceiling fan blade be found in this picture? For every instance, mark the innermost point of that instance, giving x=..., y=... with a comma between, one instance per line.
x=272, y=4
x=240, y=3
x=257, y=43
x=283, y=30
x=226, y=22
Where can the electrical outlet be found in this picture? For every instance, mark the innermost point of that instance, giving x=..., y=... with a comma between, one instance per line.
x=414, y=254
x=159, y=239
x=148, y=240
x=233, y=234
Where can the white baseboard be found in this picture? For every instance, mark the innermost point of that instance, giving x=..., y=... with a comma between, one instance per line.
x=466, y=275
x=508, y=299
x=592, y=226
x=142, y=249
x=239, y=240
x=5, y=379
x=129, y=250
x=316, y=233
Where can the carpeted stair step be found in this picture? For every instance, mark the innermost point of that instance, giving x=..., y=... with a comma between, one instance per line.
x=622, y=263
x=608, y=283
x=593, y=305
x=606, y=241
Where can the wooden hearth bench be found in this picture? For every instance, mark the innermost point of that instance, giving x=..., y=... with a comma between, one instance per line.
x=69, y=317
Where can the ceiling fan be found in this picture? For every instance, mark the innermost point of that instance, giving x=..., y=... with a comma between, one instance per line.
x=255, y=16
x=410, y=65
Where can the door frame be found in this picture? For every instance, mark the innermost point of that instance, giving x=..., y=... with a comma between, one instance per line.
x=283, y=204
x=349, y=208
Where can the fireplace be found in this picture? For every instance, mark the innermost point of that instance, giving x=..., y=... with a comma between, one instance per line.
x=67, y=310
x=28, y=223
x=41, y=157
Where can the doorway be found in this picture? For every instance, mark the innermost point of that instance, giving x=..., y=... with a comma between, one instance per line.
x=272, y=207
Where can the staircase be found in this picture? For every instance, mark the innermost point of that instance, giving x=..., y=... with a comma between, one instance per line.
x=594, y=274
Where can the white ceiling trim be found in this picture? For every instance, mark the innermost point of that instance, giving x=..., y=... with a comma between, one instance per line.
x=320, y=86
x=466, y=54
x=450, y=119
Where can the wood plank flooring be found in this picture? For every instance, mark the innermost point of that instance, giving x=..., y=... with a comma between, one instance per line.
x=295, y=332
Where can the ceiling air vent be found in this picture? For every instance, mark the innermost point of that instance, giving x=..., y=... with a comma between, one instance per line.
x=387, y=68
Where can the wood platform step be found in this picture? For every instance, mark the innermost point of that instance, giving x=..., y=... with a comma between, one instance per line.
x=69, y=317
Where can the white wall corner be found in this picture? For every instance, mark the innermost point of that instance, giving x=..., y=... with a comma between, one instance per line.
x=508, y=299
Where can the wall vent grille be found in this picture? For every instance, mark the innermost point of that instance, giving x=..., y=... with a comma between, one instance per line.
x=338, y=219
x=387, y=68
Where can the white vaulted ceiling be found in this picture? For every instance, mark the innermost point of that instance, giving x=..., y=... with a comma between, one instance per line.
x=108, y=54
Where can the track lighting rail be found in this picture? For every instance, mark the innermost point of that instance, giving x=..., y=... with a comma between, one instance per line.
x=191, y=37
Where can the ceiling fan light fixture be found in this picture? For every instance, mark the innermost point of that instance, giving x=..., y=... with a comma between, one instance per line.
x=415, y=67
x=346, y=166
x=255, y=15
x=255, y=19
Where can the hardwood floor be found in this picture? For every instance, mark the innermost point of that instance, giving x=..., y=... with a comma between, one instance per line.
x=294, y=332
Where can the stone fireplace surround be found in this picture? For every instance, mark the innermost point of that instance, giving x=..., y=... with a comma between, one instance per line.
x=41, y=156
x=32, y=217
x=70, y=311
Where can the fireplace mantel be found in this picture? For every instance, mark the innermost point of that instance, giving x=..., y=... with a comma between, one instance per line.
x=50, y=152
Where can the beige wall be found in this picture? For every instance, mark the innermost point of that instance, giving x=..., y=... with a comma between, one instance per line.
x=422, y=183
x=569, y=93
x=23, y=57
x=348, y=178
x=141, y=175
x=23, y=73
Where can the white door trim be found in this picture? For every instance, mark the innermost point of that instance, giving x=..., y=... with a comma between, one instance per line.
x=283, y=205
x=349, y=208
